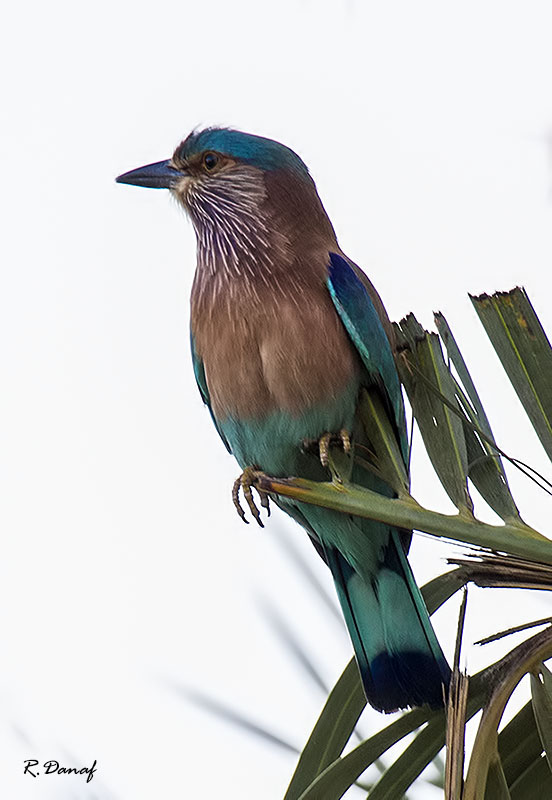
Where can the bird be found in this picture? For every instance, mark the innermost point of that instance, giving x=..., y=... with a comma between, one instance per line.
x=288, y=335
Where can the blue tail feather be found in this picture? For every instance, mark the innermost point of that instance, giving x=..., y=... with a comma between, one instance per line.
x=400, y=660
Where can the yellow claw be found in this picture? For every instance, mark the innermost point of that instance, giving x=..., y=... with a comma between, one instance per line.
x=324, y=449
x=245, y=482
x=343, y=438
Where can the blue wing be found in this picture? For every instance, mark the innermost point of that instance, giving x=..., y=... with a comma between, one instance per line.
x=399, y=657
x=363, y=324
x=199, y=372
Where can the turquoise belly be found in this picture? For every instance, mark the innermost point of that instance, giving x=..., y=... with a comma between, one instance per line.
x=274, y=443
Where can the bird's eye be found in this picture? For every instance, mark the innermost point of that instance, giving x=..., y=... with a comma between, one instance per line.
x=210, y=161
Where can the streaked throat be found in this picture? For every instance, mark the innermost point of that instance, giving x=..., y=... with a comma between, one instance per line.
x=235, y=238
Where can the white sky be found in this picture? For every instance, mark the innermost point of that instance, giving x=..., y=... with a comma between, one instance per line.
x=124, y=569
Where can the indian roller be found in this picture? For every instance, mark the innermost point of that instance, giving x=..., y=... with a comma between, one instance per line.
x=287, y=336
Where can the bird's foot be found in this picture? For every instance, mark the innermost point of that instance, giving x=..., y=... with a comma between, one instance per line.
x=342, y=439
x=339, y=464
x=246, y=482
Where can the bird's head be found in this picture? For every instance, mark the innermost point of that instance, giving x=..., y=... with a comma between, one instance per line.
x=240, y=191
x=206, y=156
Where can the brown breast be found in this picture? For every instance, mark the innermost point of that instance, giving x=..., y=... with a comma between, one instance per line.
x=271, y=347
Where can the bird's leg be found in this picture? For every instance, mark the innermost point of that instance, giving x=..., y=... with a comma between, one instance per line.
x=342, y=438
x=245, y=483
x=339, y=467
x=324, y=449
x=322, y=446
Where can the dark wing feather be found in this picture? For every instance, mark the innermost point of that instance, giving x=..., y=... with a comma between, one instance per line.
x=364, y=325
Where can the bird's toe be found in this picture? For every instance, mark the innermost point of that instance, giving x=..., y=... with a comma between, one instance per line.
x=246, y=482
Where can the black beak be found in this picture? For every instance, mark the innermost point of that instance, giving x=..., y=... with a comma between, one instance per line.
x=160, y=175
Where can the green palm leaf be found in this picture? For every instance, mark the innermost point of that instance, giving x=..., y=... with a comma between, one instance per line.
x=459, y=440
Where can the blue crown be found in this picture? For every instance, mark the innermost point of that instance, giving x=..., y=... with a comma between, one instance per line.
x=255, y=150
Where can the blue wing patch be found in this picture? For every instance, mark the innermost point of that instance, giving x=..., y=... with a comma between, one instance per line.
x=362, y=322
x=199, y=372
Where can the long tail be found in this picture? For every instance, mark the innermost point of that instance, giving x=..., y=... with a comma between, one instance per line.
x=400, y=660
